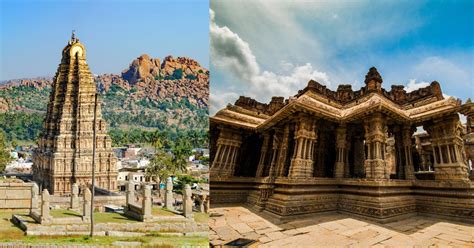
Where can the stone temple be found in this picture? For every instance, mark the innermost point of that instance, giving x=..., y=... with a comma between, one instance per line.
x=378, y=154
x=65, y=147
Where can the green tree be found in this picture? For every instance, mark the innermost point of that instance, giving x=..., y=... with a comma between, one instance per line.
x=5, y=157
x=182, y=149
x=161, y=166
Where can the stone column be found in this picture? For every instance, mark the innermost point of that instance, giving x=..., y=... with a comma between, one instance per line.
x=283, y=152
x=169, y=194
x=375, y=165
x=408, y=168
x=147, y=203
x=130, y=197
x=45, y=216
x=206, y=204
x=263, y=155
x=201, y=203
x=276, y=144
x=74, y=204
x=86, y=210
x=319, y=161
x=447, y=132
x=34, y=198
x=187, y=202
x=340, y=151
x=228, y=146
x=305, y=138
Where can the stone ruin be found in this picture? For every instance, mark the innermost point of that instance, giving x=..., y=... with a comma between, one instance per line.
x=42, y=215
x=134, y=209
x=140, y=208
x=169, y=194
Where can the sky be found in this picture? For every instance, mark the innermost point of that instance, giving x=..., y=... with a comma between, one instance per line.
x=33, y=33
x=273, y=48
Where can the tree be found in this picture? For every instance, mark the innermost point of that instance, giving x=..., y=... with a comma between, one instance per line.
x=181, y=151
x=161, y=166
x=5, y=157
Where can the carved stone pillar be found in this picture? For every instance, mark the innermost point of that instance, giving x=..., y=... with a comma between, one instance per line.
x=305, y=139
x=349, y=146
x=399, y=152
x=375, y=135
x=283, y=151
x=319, y=161
x=276, y=144
x=448, y=148
x=226, y=157
x=408, y=165
x=341, y=151
x=263, y=155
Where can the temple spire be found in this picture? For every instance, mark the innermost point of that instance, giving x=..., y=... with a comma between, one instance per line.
x=373, y=80
x=73, y=37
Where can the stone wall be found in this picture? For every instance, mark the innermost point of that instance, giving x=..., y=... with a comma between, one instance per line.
x=15, y=195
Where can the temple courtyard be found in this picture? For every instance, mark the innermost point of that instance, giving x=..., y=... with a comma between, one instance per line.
x=336, y=230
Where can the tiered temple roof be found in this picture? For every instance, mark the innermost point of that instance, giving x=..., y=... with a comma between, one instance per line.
x=65, y=147
x=344, y=104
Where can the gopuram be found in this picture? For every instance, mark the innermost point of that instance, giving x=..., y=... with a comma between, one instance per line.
x=348, y=151
x=65, y=146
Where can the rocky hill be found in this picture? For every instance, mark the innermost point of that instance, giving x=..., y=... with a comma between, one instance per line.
x=149, y=94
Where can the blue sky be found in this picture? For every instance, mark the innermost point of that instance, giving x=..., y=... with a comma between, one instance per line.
x=33, y=33
x=265, y=48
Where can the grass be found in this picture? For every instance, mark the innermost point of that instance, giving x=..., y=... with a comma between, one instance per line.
x=62, y=213
x=201, y=217
x=150, y=241
x=7, y=229
x=158, y=211
x=98, y=217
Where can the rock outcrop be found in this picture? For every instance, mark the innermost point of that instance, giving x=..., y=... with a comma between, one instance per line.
x=145, y=67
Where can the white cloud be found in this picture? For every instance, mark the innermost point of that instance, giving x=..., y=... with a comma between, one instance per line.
x=444, y=70
x=229, y=51
x=232, y=53
x=219, y=99
x=413, y=85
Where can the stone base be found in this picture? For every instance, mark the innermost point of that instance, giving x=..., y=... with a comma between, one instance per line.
x=301, y=168
x=456, y=171
x=164, y=224
x=380, y=200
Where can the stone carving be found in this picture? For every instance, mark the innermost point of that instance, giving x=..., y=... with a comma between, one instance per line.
x=34, y=198
x=68, y=129
x=86, y=207
x=187, y=202
x=74, y=204
x=344, y=150
x=45, y=216
x=147, y=203
x=130, y=197
x=169, y=199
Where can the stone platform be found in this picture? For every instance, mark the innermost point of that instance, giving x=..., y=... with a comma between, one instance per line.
x=173, y=225
x=384, y=201
x=228, y=223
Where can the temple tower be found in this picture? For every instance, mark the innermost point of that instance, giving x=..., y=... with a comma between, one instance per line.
x=64, y=153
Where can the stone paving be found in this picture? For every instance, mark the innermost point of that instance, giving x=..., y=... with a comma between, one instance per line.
x=336, y=230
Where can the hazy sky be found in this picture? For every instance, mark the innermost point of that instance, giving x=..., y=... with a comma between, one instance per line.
x=33, y=33
x=265, y=48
